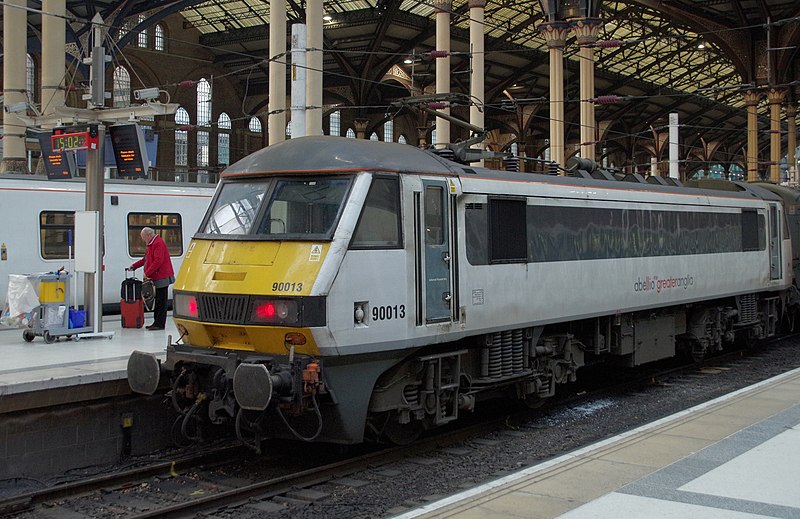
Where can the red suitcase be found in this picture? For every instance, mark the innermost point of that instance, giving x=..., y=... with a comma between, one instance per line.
x=132, y=313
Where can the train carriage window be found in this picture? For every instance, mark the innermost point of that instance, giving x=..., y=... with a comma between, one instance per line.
x=166, y=225
x=234, y=208
x=54, y=230
x=379, y=224
x=509, y=242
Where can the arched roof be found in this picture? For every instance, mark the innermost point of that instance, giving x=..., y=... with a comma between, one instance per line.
x=694, y=57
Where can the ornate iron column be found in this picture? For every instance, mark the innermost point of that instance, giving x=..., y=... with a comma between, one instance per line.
x=443, y=8
x=791, y=139
x=556, y=35
x=586, y=31
x=477, y=79
x=775, y=97
x=276, y=120
x=14, y=44
x=751, y=102
x=314, y=14
x=53, y=41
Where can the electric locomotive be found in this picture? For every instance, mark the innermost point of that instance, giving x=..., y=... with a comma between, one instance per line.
x=341, y=290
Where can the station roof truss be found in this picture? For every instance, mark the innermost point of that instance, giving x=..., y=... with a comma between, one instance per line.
x=694, y=57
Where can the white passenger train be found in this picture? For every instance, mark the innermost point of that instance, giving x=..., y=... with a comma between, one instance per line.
x=37, y=219
x=341, y=289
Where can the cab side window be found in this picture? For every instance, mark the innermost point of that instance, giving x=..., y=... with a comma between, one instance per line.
x=379, y=224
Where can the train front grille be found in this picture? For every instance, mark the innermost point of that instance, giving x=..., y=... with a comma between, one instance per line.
x=222, y=308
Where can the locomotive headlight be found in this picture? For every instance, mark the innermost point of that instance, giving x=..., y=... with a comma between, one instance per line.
x=186, y=305
x=274, y=311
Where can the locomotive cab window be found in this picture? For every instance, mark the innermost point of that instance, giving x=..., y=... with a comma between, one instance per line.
x=166, y=225
x=54, y=230
x=297, y=208
x=379, y=224
x=304, y=208
x=234, y=208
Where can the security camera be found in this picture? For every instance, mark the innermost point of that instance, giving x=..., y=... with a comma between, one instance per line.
x=146, y=94
x=15, y=108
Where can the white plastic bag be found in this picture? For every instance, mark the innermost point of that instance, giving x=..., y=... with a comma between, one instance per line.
x=21, y=301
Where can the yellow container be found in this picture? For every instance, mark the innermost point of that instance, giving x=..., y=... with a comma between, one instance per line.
x=51, y=291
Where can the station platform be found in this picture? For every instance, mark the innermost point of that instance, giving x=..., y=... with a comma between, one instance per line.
x=36, y=374
x=735, y=457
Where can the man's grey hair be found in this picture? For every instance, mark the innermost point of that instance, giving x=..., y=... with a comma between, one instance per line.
x=148, y=231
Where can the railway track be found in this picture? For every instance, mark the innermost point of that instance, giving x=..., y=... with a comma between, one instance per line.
x=190, y=485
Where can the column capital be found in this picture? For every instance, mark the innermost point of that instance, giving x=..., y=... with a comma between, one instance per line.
x=751, y=97
x=775, y=96
x=586, y=30
x=443, y=6
x=555, y=33
x=791, y=109
x=422, y=134
x=477, y=3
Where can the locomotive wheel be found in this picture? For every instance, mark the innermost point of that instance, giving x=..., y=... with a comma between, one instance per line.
x=745, y=339
x=402, y=434
x=28, y=335
x=49, y=339
x=534, y=402
x=696, y=351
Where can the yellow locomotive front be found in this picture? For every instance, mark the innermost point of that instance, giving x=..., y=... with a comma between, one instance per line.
x=247, y=279
x=244, y=305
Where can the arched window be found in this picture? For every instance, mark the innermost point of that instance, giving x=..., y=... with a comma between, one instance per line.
x=125, y=29
x=335, y=127
x=224, y=139
x=350, y=134
x=142, y=39
x=289, y=130
x=402, y=139
x=374, y=137
x=203, y=103
x=30, y=78
x=181, y=138
x=159, y=42
x=122, y=87
x=255, y=125
x=514, y=149
x=433, y=136
x=388, y=131
x=202, y=149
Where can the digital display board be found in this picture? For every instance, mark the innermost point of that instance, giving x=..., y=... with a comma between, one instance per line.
x=70, y=141
x=129, y=150
x=56, y=164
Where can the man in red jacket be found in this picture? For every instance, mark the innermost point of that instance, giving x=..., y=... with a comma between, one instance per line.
x=158, y=268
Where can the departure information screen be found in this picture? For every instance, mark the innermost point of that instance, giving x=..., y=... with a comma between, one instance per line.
x=128, y=143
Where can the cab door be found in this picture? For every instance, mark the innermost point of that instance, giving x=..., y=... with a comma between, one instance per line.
x=436, y=251
x=775, y=242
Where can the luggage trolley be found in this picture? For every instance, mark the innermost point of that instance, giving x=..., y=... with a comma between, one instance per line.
x=53, y=317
